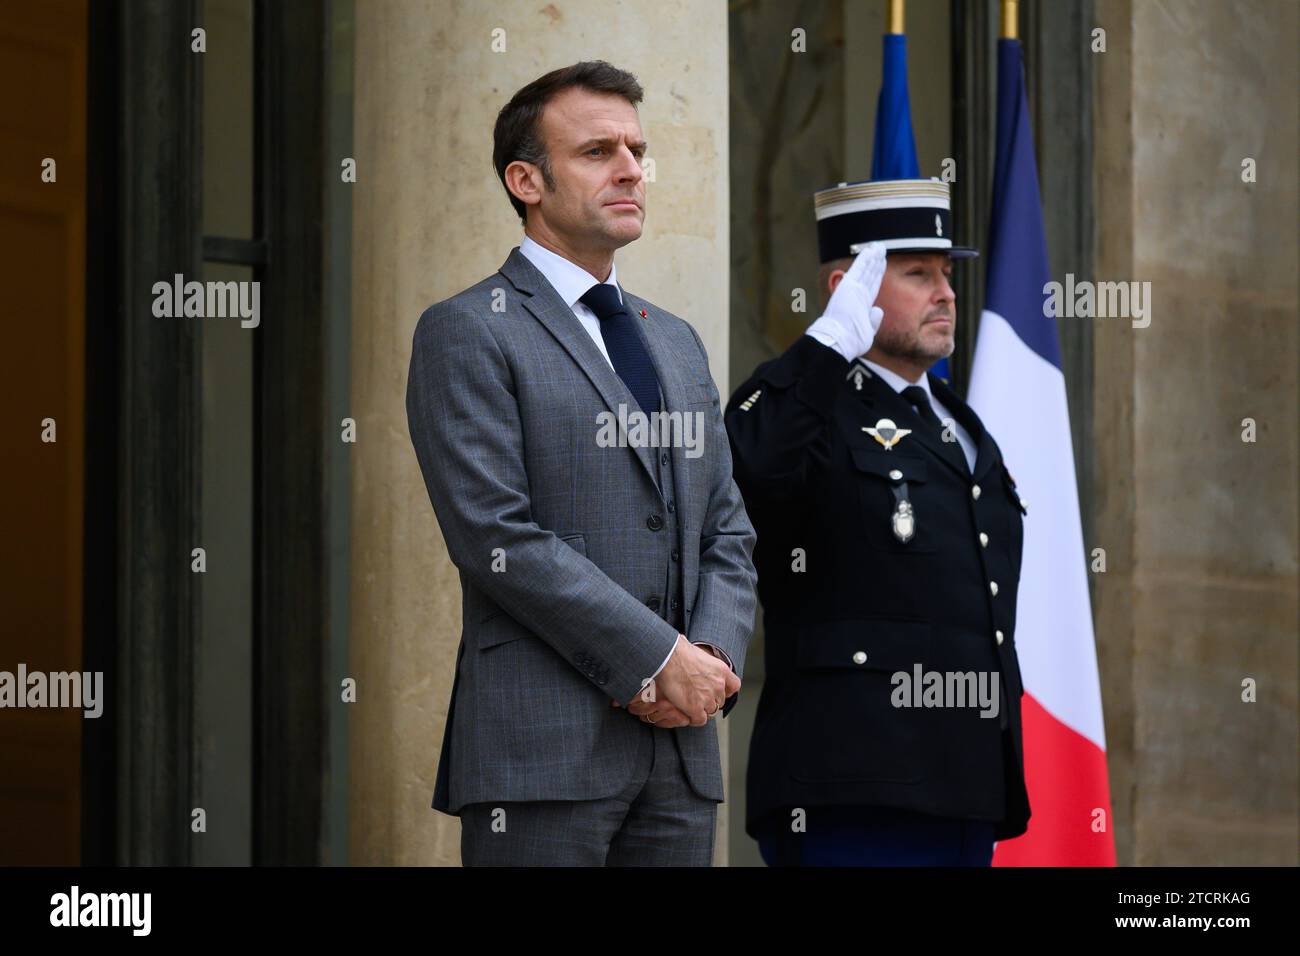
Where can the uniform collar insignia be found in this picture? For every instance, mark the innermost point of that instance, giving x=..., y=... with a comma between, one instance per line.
x=858, y=373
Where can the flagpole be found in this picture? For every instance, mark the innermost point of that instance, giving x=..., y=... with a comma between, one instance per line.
x=1010, y=20
x=895, y=17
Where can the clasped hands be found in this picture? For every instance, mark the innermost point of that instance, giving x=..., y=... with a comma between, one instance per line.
x=690, y=689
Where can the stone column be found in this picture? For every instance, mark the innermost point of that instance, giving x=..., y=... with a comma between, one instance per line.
x=430, y=218
x=1199, y=526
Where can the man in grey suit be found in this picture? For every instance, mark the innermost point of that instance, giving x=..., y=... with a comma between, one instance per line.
x=606, y=575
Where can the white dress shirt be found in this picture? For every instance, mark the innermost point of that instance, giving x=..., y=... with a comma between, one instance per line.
x=898, y=383
x=572, y=282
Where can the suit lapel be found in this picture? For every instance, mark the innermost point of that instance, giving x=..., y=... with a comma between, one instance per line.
x=548, y=308
x=986, y=450
x=669, y=362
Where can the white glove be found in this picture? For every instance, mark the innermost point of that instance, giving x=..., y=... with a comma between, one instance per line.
x=852, y=318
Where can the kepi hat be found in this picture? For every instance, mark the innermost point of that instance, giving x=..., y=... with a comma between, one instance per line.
x=903, y=215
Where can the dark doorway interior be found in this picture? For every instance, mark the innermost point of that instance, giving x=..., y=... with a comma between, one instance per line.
x=209, y=160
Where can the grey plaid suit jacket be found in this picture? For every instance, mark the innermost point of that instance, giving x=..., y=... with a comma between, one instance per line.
x=553, y=539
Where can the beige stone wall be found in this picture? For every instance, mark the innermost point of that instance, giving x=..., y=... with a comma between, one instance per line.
x=1200, y=528
x=430, y=218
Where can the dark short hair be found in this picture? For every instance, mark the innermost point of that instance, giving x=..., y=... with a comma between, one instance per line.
x=518, y=129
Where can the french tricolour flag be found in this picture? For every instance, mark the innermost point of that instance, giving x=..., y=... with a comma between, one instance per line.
x=1017, y=388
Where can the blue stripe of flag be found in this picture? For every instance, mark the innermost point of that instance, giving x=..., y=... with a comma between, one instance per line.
x=893, y=151
x=1017, y=251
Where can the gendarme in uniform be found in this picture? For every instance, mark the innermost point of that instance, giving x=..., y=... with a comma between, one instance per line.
x=880, y=550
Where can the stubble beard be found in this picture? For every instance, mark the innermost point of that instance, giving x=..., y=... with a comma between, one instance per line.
x=909, y=347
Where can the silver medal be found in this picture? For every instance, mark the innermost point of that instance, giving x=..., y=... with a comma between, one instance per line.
x=903, y=522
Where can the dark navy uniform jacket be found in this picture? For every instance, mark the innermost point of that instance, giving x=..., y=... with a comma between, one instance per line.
x=847, y=605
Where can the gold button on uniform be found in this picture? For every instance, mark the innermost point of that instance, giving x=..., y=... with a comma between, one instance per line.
x=998, y=635
x=984, y=540
x=859, y=657
x=975, y=492
x=895, y=474
x=993, y=586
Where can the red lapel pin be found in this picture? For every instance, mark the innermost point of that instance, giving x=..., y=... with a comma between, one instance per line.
x=643, y=315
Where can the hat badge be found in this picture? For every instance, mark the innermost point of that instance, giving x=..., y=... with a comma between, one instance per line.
x=887, y=433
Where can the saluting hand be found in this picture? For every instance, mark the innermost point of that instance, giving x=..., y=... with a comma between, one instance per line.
x=852, y=317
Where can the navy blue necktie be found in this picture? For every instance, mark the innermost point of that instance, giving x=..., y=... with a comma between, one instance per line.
x=626, y=351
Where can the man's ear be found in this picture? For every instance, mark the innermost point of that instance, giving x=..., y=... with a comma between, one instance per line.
x=524, y=180
x=834, y=278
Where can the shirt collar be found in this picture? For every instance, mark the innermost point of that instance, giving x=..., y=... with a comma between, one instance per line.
x=569, y=279
x=896, y=381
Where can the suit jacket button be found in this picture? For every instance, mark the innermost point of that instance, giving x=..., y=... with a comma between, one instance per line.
x=654, y=522
x=998, y=635
x=993, y=587
x=975, y=492
x=652, y=603
x=859, y=657
x=672, y=507
x=984, y=540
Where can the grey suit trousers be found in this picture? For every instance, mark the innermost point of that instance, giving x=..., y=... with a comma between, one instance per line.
x=656, y=820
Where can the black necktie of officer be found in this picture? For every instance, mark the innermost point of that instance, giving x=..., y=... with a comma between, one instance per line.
x=919, y=399
x=626, y=351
